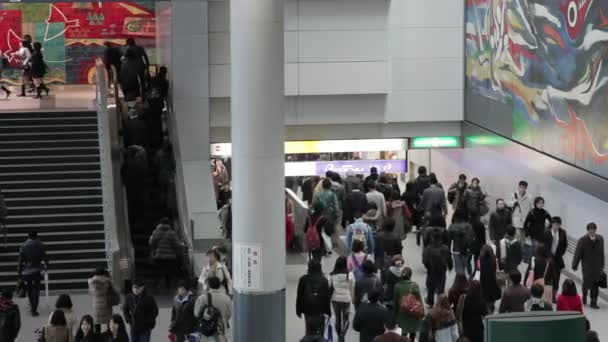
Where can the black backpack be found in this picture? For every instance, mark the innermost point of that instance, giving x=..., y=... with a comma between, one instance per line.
x=209, y=319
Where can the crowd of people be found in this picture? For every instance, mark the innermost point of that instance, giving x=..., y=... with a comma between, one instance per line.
x=32, y=65
x=375, y=279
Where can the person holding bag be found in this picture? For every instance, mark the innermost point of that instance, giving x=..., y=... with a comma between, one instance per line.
x=541, y=271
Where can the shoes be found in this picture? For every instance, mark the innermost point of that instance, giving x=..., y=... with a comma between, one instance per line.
x=594, y=306
x=584, y=300
x=8, y=94
x=35, y=314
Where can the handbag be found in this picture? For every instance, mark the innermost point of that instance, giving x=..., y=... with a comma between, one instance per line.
x=328, y=333
x=21, y=289
x=603, y=283
x=530, y=277
x=459, y=311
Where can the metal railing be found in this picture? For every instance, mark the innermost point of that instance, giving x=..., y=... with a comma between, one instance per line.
x=118, y=243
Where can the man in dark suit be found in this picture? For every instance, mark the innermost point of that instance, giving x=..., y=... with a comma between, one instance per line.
x=557, y=242
x=590, y=253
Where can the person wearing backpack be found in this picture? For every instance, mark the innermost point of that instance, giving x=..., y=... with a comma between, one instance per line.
x=437, y=260
x=461, y=237
x=365, y=283
x=312, y=233
x=10, y=318
x=408, y=306
x=360, y=231
x=313, y=299
x=140, y=311
x=356, y=258
x=213, y=310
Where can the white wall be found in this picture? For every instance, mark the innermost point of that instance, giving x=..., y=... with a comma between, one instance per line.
x=402, y=59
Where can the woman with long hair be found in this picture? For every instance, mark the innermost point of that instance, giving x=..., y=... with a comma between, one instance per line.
x=64, y=303
x=38, y=70
x=569, y=299
x=56, y=330
x=117, y=332
x=487, y=277
x=442, y=322
x=459, y=287
x=25, y=55
x=472, y=308
x=341, y=284
x=86, y=331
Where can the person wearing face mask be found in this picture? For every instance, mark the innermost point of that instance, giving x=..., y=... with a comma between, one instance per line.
x=500, y=219
x=590, y=253
x=557, y=242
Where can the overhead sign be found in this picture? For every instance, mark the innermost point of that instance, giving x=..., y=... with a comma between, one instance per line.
x=435, y=142
x=326, y=146
x=319, y=168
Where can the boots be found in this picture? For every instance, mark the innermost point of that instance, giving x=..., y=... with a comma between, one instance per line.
x=38, y=93
x=45, y=88
x=594, y=303
x=585, y=297
x=8, y=92
x=22, y=91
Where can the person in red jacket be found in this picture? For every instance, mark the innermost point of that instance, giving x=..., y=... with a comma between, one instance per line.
x=289, y=230
x=569, y=299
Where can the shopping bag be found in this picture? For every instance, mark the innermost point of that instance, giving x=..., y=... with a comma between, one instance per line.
x=46, y=289
x=326, y=241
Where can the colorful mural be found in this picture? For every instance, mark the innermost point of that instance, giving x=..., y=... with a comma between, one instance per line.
x=546, y=61
x=72, y=33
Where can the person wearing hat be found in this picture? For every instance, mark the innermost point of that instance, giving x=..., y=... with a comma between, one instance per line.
x=557, y=242
x=140, y=311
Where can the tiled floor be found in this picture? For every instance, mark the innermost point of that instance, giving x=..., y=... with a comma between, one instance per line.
x=60, y=97
x=295, y=326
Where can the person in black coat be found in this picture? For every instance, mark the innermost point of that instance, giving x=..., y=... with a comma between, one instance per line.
x=411, y=200
x=473, y=312
x=536, y=221
x=500, y=219
x=38, y=69
x=479, y=229
x=111, y=58
x=368, y=283
x=132, y=76
x=11, y=322
x=135, y=131
x=437, y=259
x=313, y=299
x=487, y=277
x=355, y=202
x=370, y=317
x=182, y=314
x=388, y=243
x=557, y=242
x=509, y=252
x=590, y=253
x=140, y=311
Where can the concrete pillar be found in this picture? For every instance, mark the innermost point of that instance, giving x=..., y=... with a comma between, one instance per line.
x=187, y=53
x=258, y=134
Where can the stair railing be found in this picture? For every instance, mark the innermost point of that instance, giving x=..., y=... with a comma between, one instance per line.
x=119, y=246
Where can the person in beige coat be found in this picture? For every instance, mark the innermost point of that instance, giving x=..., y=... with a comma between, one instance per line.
x=64, y=303
x=56, y=330
x=223, y=303
x=99, y=287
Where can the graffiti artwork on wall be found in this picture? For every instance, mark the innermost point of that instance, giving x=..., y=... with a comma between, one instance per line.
x=72, y=33
x=546, y=60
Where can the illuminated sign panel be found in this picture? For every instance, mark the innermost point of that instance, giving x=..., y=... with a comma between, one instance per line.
x=434, y=142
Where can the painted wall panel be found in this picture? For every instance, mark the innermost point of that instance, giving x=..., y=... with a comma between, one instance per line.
x=428, y=13
x=219, y=16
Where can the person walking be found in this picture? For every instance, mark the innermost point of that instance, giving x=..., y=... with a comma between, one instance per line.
x=32, y=262
x=360, y=231
x=509, y=252
x=389, y=244
x=460, y=286
x=56, y=330
x=537, y=221
x=38, y=70
x=461, y=237
x=215, y=268
x=557, y=241
x=117, y=331
x=132, y=76
x=341, y=285
x=165, y=249
x=86, y=330
x=216, y=297
x=456, y=192
x=140, y=311
x=327, y=201
x=370, y=317
x=313, y=298
x=10, y=318
x=410, y=198
x=590, y=253
x=366, y=283
x=398, y=211
x=111, y=59
x=376, y=197
x=475, y=201
x=392, y=332
x=139, y=52
x=100, y=288
x=24, y=54
x=4, y=63
x=355, y=202
x=514, y=297
x=438, y=261
x=182, y=313
x=521, y=204
x=422, y=182
x=500, y=219
x=569, y=299
x=433, y=199
x=64, y=303
x=408, y=322
x=538, y=301
x=472, y=308
x=442, y=322
x=541, y=271
x=390, y=277
x=487, y=277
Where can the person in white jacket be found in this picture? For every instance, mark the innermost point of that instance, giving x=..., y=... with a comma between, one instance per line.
x=215, y=268
x=521, y=203
x=25, y=55
x=342, y=287
x=3, y=60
